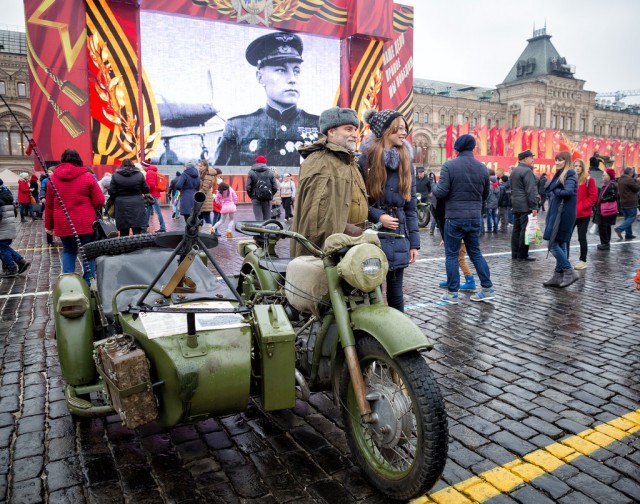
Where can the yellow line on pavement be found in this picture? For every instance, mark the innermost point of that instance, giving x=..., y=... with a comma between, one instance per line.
x=38, y=248
x=503, y=479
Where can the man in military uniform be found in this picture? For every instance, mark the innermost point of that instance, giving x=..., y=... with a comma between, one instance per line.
x=277, y=130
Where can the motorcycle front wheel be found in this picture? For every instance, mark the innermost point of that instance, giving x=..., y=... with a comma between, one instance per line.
x=424, y=216
x=404, y=451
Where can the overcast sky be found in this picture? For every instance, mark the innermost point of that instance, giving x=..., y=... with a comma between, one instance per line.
x=478, y=41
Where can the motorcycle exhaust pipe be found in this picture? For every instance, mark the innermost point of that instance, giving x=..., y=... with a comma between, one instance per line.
x=303, y=393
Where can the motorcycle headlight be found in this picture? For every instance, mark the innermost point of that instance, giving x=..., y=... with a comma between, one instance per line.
x=364, y=267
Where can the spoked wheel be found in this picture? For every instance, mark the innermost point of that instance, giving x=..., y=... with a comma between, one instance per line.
x=403, y=453
x=424, y=216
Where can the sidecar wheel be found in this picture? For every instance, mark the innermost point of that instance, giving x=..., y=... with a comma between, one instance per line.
x=403, y=454
x=117, y=246
x=423, y=217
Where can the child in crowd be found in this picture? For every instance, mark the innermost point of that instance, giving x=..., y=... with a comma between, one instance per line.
x=227, y=198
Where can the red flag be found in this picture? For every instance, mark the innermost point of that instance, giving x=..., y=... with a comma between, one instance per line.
x=449, y=142
x=493, y=140
x=584, y=144
x=501, y=142
x=526, y=140
x=542, y=143
x=636, y=156
x=483, y=140
x=555, y=144
x=591, y=148
x=618, y=153
x=607, y=147
x=464, y=129
x=476, y=135
x=534, y=142
x=510, y=139
x=517, y=141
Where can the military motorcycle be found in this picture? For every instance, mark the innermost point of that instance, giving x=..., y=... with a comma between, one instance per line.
x=162, y=334
x=348, y=341
x=423, y=209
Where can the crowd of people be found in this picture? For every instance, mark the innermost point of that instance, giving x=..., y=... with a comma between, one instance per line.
x=344, y=191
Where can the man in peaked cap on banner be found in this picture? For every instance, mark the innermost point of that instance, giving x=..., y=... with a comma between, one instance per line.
x=278, y=129
x=331, y=195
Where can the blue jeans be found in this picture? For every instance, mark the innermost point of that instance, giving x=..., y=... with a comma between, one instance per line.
x=559, y=251
x=456, y=230
x=156, y=208
x=492, y=219
x=629, y=218
x=70, y=255
x=9, y=256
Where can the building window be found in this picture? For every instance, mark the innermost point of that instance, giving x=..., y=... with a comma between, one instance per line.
x=569, y=123
x=441, y=119
x=601, y=129
x=488, y=123
x=538, y=120
x=450, y=119
x=497, y=123
x=515, y=119
x=595, y=129
x=583, y=124
x=554, y=121
x=3, y=87
x=426, y=118
x=466, y=118
x=22, y=89
x=15, y=143
x=561, y=124
x=4, y=143
x=416, y=117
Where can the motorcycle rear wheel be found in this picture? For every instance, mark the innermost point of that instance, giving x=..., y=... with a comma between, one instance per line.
x=424, y=216
x=403, y=454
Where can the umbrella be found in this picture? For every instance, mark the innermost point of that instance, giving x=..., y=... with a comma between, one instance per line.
x=556, y=225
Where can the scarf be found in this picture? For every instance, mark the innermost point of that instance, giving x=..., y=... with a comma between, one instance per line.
x=392, y=158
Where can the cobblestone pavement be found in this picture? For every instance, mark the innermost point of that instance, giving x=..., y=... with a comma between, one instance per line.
x=542, y=391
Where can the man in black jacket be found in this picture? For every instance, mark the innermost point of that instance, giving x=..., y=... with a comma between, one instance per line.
x=524, y=200
x=464, y=185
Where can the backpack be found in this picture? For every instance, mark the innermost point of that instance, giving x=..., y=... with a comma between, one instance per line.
x=161, y=183
x=262, y=190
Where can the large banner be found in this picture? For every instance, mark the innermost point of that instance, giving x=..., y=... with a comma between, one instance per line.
x=223, y=80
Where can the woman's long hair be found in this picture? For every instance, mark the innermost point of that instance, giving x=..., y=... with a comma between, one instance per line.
x=566, y=156
x=376, y=172
x=582, y=178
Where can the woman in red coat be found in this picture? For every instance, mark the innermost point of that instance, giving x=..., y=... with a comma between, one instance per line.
x=24, y=197
x=82, y=196
x=587, y=198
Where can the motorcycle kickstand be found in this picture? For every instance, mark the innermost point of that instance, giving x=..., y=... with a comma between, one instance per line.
x=358, y=385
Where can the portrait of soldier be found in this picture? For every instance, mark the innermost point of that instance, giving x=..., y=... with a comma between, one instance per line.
x=280, y=127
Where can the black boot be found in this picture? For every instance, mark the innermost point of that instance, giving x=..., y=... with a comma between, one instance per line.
x=568, y=277
x=9, y=273
x=555, y=280
x=22, y=266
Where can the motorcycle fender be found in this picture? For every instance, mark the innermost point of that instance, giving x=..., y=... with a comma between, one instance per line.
x=266, y=278
x=396, y=332
x=74, y=332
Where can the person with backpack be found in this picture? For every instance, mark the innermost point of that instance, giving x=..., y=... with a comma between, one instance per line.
x=155, y=188
x=504, y=203
x=261, y=186
x=492, y=205
x=13, y=263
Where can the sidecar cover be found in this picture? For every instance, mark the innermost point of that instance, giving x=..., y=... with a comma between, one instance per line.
x=140, y=268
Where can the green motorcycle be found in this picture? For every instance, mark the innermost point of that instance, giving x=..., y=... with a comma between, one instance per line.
x=348, y=341
x=163, y=335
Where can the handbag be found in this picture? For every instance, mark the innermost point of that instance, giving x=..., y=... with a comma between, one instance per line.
x=608, y=208
x=32, y=200
x=110, y=207
x=104, y=227
x=148, y=200
x=532, y=234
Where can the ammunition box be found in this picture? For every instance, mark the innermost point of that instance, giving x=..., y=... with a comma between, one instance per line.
x=276, y=338
x=125, y=370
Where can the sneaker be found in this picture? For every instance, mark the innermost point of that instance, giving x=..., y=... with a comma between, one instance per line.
x=619, y=233
x=484, y=295
x=10, y=273
x=450, y=298
x=229, y=235
x=23, y=267
x=632, y=237
x=580, y=265
x=603, y=247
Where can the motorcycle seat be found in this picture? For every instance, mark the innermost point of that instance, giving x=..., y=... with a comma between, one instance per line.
x=275, y=264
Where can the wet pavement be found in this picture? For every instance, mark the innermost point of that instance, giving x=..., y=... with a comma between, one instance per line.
x=542, y=391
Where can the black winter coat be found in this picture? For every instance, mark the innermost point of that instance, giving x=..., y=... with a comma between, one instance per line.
x=126, y=188
x=464, y=183
x=568, y=194
x=608, y=193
